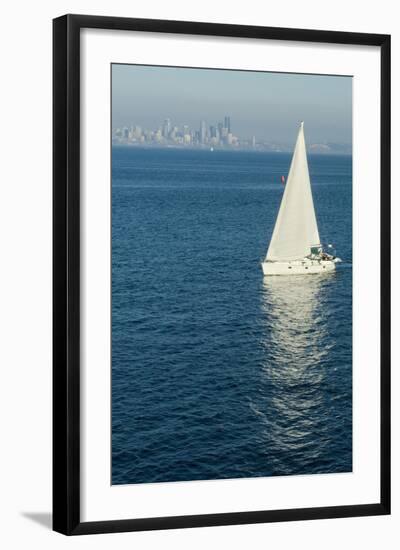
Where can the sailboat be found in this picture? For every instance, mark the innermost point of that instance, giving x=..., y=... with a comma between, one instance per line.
x=295, y=246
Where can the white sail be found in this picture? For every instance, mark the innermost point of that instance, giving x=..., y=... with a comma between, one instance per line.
x=296, y=229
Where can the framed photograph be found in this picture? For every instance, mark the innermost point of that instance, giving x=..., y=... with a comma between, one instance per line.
x=221, y=274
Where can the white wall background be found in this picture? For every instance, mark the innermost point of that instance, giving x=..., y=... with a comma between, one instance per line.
x=25, y=274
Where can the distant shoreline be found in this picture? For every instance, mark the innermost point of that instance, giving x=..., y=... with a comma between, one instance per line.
x=224, y=150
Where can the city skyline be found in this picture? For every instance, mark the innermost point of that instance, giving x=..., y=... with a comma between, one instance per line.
x=168, y=133
x=217, y=135
x=268, y=106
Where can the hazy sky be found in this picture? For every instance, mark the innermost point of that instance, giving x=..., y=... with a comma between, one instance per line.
x=267, y=105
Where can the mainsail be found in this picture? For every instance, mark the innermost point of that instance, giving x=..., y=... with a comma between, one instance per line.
x=296, y=229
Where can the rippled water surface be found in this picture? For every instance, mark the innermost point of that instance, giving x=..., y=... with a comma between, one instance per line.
x=216, y=371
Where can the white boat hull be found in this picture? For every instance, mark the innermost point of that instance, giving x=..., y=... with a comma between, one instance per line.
x=298, y=267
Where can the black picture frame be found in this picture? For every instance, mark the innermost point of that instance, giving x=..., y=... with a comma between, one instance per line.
x=66, y=273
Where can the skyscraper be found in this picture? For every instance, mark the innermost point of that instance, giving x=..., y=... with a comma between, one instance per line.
x=166, y=128
x=228, y=123
x=203, y=131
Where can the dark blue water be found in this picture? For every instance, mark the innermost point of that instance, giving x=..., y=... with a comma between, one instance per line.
x=216, y=372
